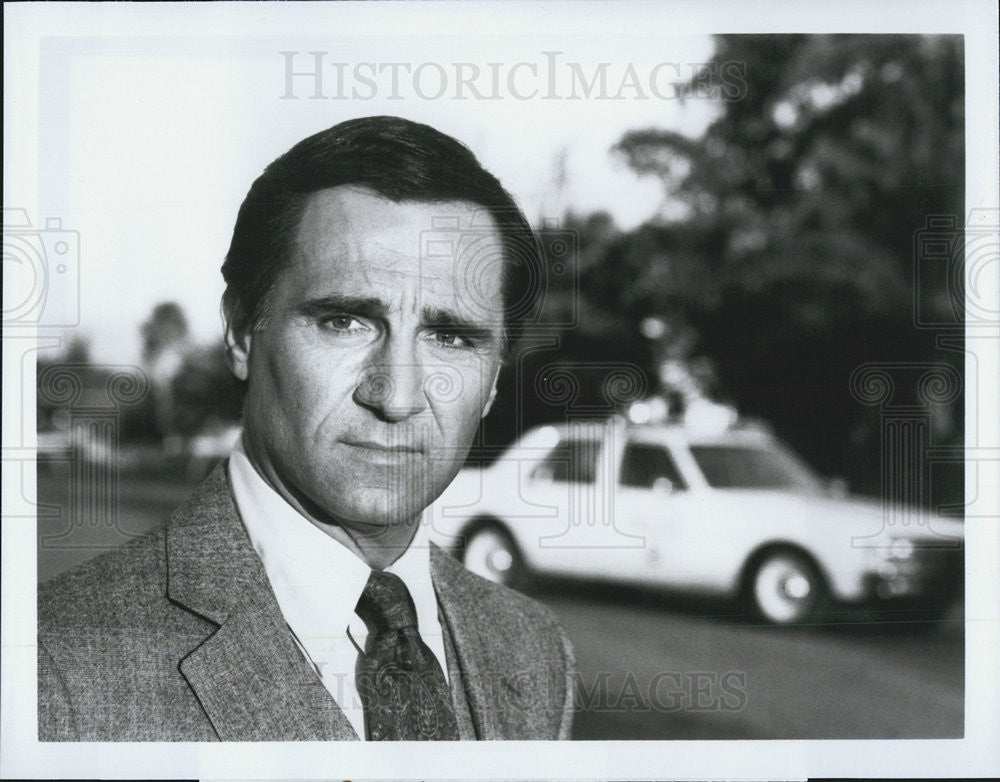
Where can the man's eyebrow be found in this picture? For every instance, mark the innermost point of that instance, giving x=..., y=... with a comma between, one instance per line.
x=366, y=306
x=372, y=307
x=446, y=319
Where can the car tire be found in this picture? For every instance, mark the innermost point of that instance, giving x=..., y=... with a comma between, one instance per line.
x=785, y=588
x=491, y=552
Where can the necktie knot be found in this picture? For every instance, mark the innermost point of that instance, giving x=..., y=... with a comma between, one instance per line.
x=385, y=604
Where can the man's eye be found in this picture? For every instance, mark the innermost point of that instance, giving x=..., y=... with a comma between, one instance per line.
x=450, y=339
x=343, y=323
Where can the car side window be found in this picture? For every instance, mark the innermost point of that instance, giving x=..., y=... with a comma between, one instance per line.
x=573, y=460
x=644, y=464
x=742, y=467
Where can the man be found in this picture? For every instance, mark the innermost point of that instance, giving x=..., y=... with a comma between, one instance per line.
x=375, y=278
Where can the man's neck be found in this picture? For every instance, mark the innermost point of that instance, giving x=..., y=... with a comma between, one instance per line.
x=379, y=554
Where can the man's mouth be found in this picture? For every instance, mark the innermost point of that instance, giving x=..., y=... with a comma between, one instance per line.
x=394, y=449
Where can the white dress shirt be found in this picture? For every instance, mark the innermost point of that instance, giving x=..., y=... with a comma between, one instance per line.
x=317, y=582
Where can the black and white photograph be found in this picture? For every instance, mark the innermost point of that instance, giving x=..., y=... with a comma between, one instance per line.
x=615, y=379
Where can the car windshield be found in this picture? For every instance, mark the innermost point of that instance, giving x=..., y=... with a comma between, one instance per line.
x=747, y=467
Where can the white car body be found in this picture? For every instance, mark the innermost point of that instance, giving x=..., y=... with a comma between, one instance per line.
x=692, y=536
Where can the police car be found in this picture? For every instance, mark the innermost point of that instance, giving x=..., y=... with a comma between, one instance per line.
x=728, y=512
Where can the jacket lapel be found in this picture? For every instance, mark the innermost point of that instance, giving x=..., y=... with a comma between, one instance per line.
x=494, y=682
x=249, y=676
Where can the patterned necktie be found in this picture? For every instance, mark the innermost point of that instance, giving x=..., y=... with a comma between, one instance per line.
x=402, y=687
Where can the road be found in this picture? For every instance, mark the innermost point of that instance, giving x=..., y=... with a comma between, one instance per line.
x=655, y=666
x=652, y=666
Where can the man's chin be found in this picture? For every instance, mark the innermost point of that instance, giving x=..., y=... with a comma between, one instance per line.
x=381, y=517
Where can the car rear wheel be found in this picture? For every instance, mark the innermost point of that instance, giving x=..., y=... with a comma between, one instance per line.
x=786, y=588
x=490, y=552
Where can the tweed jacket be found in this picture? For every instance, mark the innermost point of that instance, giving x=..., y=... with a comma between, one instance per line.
x=177, y=636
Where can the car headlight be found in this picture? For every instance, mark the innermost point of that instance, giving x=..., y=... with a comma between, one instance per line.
x=896, y=549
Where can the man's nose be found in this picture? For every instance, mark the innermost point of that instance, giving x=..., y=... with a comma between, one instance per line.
x=392, y=386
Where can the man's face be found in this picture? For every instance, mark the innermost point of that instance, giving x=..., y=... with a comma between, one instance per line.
x=377, y=361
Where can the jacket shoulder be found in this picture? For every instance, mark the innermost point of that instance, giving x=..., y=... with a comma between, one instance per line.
x=108, y=588
x=109, y=642
x=511, y=613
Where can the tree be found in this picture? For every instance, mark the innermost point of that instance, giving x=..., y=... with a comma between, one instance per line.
x=165, y=344
x=165, y=329
x=794, y=261
x=205, y=394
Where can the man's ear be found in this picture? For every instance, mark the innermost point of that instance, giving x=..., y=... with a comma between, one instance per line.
x=238, y=336
x=493, y=392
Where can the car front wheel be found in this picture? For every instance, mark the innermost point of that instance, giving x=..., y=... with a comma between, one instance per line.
x=785, y=588
x=490, y=552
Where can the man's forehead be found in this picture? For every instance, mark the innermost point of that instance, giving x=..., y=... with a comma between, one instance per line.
x=353, y=241
x=340, y=214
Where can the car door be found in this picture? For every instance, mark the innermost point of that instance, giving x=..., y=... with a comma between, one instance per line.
x=576, y=480
x=653, y=503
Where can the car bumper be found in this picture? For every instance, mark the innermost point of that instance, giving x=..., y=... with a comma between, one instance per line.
x=931, y=573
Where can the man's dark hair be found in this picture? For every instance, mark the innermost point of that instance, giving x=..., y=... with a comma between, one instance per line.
x=396, y=158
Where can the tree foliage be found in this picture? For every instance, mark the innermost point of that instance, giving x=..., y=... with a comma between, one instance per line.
x=794, y=259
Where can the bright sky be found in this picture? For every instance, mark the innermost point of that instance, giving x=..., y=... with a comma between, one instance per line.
x=148, y=145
